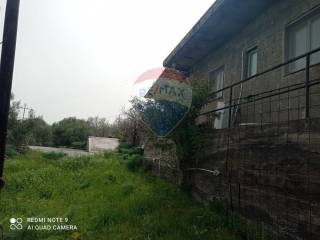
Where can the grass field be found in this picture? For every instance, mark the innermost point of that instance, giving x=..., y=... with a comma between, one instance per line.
x=103, y=199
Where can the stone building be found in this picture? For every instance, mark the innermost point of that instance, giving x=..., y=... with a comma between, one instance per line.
x=260, y=62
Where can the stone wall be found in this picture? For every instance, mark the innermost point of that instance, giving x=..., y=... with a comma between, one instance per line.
x=162, y=153
x=269, y=174
x=269, y=160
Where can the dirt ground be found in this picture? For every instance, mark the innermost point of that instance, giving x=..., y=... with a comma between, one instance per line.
x=69, y=152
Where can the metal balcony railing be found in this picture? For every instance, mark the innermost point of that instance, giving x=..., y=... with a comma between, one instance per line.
x=237, y=102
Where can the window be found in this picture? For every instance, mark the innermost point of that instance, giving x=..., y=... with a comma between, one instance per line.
x=303, y=37
x=252, y=62
x=216, y=81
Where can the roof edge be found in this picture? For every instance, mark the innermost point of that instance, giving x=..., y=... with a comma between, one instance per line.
x=214, y=7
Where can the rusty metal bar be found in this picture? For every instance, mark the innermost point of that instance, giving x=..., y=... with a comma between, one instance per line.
x=230, y=108
x=269, y=70
x=307, y=86
x=311, y=83
x=214, y=172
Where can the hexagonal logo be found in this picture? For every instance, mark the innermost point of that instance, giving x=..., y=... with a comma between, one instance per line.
x=166, y=103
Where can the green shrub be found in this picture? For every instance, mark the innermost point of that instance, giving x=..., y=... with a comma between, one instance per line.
x=127, y=188
x=84, y=184
x=124, y=146
x=134, y=162
x=110, y=177
x=10, y=151
x=108, y=154
x=53, y=155
x=79, y=145
x=105, y=219
x=125, y=150
x=146, y=165
x=133, y=158
x=106, y=201
x=128, y=149
x=45, y=194
x=74, y=163
x=137, y=150
x=23, y=234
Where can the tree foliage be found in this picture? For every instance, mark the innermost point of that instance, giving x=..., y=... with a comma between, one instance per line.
x=99, y=127
x=71, y=132
x=128, y=127
x=29, y=131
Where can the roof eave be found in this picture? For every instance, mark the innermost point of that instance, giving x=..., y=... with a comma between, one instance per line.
x=227, y=17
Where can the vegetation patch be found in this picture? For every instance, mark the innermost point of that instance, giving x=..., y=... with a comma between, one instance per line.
x=104, y=199
x=54, y=155
x=10, y=151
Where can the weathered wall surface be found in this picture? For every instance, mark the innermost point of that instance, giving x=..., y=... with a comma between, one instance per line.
x=269, y=174
x=165, y=162
x=269, y=161
x=268, y=33
x=98, y=144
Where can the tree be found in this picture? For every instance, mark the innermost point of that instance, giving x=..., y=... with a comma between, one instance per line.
x=30, y=131
x=71, y=132
x=99, y=127
x=14, y=135
x=129, y=127
x=38, y=131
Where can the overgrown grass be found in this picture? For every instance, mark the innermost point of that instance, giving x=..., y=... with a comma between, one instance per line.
x=53, y=155
x=104, y=199
x=10, y=151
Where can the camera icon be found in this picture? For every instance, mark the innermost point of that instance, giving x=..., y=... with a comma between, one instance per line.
x=16, y=223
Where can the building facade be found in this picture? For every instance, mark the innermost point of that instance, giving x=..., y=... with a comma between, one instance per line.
x=260, y=61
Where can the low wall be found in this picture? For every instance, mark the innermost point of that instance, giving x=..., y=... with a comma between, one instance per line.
x=269, y=173
x=163, y=155
x=98, y=144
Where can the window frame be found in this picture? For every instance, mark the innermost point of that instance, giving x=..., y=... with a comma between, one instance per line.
x=212, y=95
x=307, y=20
x=247, y=61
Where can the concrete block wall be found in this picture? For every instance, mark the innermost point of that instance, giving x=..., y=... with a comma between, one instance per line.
x=268, y=174
x=162, y=153
x=270, y=160
x=99, y=144
x=268, y=33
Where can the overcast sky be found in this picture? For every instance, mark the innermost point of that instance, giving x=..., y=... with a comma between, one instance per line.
x=81, y=57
